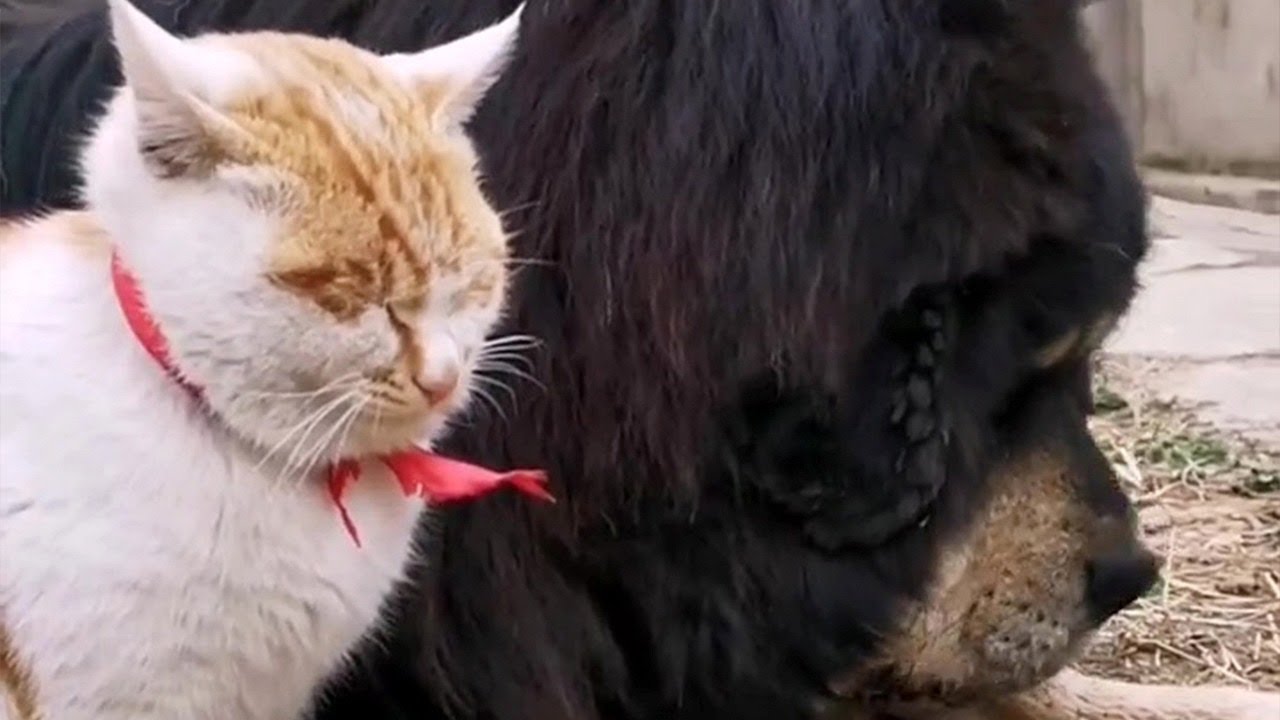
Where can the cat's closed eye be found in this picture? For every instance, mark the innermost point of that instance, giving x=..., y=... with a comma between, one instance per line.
x=404, y=309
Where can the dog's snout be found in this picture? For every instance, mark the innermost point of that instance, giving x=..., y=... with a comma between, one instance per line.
x=1118, y=577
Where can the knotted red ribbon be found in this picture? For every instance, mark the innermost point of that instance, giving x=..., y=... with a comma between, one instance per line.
x=420, y=474
x=435, y=478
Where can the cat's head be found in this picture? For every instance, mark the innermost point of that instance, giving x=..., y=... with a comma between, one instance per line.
x=306, y=223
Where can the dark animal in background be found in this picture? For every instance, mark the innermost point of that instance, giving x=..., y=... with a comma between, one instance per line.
x=818, y=284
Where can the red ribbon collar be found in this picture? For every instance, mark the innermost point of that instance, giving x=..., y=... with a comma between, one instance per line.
x=420, y=474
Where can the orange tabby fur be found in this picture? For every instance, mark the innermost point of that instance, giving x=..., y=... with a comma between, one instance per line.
x=355, y=239
x=16, y=685
x=374, y=187
x=304, y=221
x=386, y=200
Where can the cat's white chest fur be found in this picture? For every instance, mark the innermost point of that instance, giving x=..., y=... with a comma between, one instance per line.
x=214, y=588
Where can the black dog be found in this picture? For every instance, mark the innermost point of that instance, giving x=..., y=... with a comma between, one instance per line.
x=808, y=273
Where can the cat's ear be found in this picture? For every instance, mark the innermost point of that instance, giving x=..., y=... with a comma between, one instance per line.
x=457, y=74
x=179, y=132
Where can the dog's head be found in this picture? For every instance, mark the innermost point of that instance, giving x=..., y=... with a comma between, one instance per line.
x=1052, y=554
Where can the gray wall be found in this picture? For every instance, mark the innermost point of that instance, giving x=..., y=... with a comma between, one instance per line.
x=1197, y=80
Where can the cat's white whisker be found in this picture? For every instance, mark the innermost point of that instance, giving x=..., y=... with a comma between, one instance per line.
x=306, y=421
x=350, y=424
x=297, y=455
x=317, y=450
x=518, y=262
x=336, y=384
x=510, y=370
x=490, y=381
x=377, y=417
x=484, y=394
x=512, y=350
x=503, y=213
x=505, y=357
x=509, y=344
x=502, y=360
x=502, y=340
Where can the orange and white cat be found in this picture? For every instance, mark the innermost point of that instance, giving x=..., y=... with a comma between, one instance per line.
x=305, y=222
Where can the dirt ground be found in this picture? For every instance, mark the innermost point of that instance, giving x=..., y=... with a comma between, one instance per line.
x=1210, y=505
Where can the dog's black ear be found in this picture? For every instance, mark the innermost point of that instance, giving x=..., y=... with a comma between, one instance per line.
x=900, y=447
x=855, y=474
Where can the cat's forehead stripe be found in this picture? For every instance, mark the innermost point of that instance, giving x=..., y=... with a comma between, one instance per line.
x=385, y=202
x=346, y=81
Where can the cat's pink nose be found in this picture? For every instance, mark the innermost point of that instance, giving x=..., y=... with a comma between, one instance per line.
x=441, y=371
x=438, y=385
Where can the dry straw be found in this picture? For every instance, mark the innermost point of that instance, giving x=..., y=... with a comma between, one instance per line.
x=1210, y=504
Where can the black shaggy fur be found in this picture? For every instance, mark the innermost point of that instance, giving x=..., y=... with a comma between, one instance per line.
x=796, y=259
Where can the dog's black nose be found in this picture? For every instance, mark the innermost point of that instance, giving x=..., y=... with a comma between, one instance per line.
x=1118, y=577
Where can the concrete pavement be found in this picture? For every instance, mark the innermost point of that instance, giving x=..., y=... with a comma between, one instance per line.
x=1242, y=193
x=1209, y=310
